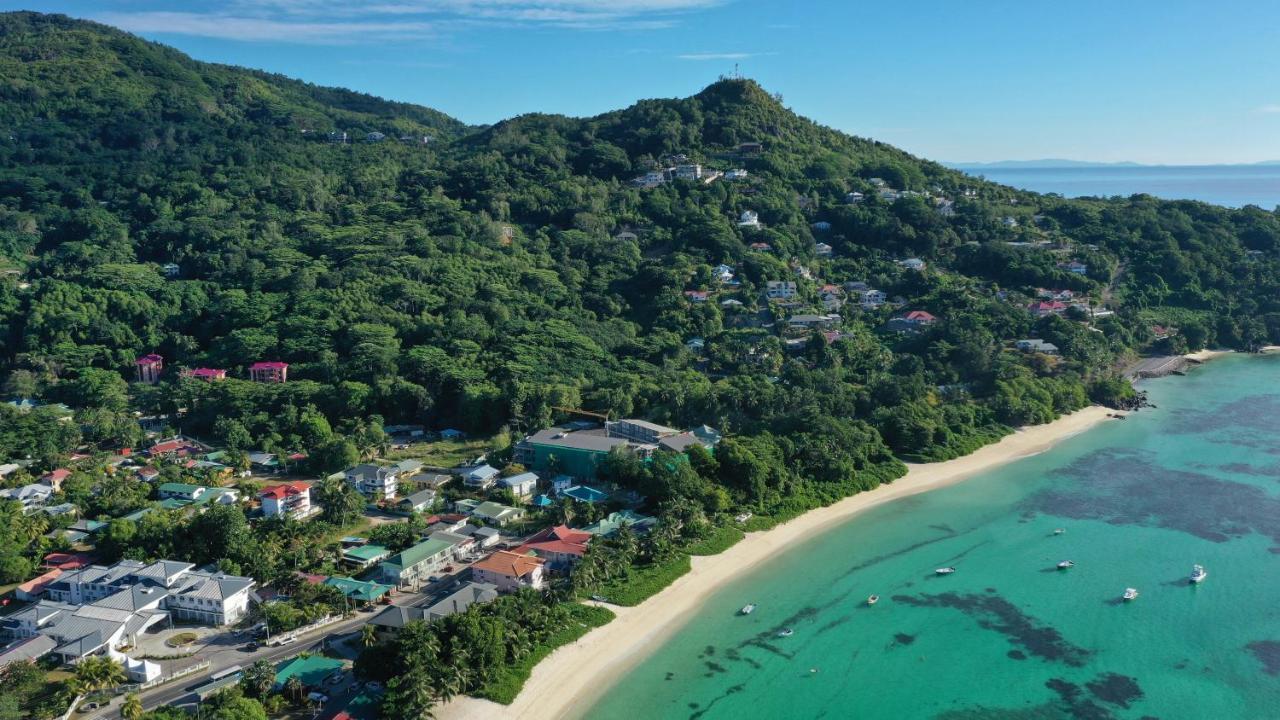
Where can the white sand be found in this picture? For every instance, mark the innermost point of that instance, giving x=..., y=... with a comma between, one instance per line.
x=566, y=683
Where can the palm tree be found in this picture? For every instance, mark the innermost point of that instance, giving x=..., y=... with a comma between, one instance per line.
x=293, y=687
x=132, y=707
x=368, y=636
x=99, y=673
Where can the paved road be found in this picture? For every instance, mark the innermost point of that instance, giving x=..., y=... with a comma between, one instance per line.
x=226, y=651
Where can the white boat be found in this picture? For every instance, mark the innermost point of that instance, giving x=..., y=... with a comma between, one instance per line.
x=1065, y=564
x=1198, y=574
x=748, y=609
x=873, y=599
x=945, y=570
x=1059, y=531
x=1130, y=594
x=786, y=632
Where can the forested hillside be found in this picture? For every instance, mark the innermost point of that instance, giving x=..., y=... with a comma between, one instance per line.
x=483, y=278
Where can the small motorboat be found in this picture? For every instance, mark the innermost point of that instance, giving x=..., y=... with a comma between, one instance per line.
x=1130, y=594
x=1198, y=574
x=748, y=609
x=786, y=632
x=873, y=599
x=944, y=570
x=1059, y=531
x=1066, y=565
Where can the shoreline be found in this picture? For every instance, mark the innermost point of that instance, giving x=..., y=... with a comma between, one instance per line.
x=570, y=680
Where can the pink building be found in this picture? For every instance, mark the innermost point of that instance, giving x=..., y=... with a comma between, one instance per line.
x=149, y=368
x=206, y=374
x=270, y=372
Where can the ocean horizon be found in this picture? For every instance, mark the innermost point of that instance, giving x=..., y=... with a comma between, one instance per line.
x=1228, y=185
x=1009, y=635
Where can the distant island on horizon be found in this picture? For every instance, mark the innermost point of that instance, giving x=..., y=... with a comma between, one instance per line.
x=1058, y=163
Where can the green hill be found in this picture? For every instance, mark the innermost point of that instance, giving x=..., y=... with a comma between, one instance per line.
x=488, y=277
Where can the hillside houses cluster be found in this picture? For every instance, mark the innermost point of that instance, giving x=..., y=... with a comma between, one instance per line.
x=688, y=172
x=150, y=367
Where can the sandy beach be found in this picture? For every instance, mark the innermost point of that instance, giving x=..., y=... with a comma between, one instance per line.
x=566, y=683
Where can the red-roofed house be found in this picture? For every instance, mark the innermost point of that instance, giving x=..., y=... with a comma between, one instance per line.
x=509, y=571
x=32, y=589
x=292, y=499
x=1043, y=308
x=67, y=561
x=205, y=374
x=54, y=478
x=696, y=295
x=919, y=317
x=174, y=446
x=269, y=372
x=149, y=368
x=560, y=546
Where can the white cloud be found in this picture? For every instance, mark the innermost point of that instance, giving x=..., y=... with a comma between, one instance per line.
x=232, y=27
x=723, y=55
x=1273, y=109
x=350, y=21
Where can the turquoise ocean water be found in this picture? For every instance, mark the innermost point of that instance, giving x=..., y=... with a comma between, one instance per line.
x=1008, y=636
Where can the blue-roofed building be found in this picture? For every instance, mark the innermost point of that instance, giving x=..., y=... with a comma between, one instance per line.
x=586, y=494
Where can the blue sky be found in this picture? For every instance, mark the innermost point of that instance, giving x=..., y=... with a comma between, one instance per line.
x=1171, y=81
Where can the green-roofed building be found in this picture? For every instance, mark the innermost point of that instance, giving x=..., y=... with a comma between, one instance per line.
x=311, y=671
x=359, y=590
x=415, y=564
x=173, y=504
x=610, y=525
x=218, y=496
x=136, y=515
x=181, y=491
x=365, y=555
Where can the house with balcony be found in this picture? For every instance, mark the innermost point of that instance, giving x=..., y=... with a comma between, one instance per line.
x=149, y=367
x=291, y=499
x=374, y=482
x=269, y=372
x=509, y=571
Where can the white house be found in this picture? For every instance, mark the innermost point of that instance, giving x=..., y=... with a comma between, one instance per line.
x=854, y=198
x=723, y=273
x=823, y=250
x=691, y=171
x=736, y=174
x=1037, y=346
x=913, y=264
x=780, y=289
x=99, y=610
x=521, y=485
x=870, y=298
x=749, y=218
x=509, y=571
x=32, y=497
x=291, y=499
x=374, y=482
x=481, y=477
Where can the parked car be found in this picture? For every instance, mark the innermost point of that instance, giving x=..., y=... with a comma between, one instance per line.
x=316, y=697
x=373, y=685
x=335, y=678
x=251, y=646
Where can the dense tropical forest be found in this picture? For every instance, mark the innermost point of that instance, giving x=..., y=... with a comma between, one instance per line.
x=478, y=280
x=412, y=269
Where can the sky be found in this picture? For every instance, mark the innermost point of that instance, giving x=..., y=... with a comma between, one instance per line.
x=1153, y=81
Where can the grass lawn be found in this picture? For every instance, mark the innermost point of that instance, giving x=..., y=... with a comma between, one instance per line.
x=644, y=581
x=720, y=539
x=442, y=453
x=506, y=685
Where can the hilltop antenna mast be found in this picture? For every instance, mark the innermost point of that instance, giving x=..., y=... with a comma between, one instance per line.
x=737, y=75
